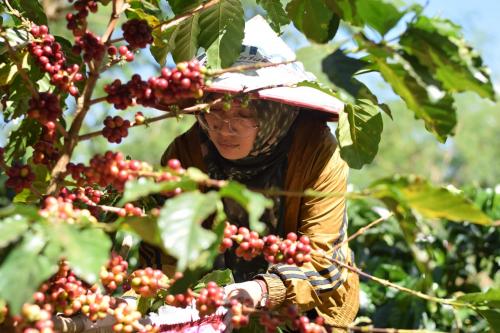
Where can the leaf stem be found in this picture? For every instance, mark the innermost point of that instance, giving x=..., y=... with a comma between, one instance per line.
x=243, y=68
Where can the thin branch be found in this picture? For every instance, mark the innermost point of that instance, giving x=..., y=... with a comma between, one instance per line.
x=362, y=230
x=178, y=19
x=61, y=129
x=98, y=100
x=393, y=285
x=83, y=104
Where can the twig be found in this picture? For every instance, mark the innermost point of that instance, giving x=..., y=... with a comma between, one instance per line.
x=243, y=68
x=61, y=129
x=393, y=285
x=83, y=104
x=19, y=66
x=363, y=230
x=97, y=100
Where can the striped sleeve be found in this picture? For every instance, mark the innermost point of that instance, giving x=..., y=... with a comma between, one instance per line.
x=324, y=221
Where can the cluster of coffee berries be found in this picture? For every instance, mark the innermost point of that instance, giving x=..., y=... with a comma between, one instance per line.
x=108, y=169
x=96, y=306
x=77, y=22
x=114, y=273
x=90, y=45
x=45, y=153
x=183, y=82
x=275, y=250
x=59, y=210
x=148, y=282
x=45, y=108
x=270, y=322
x=115, y=128
x=137, y=33
x=34, y=320
x=130, y=210
x=87, y=195
x=304, y=325
x=290, y=250
x=127, y=320
x=181, y=300
x=62, y=292
x=209, y=299
x=119, y=94
x=239, y=313
x=20, y=177
x=49, y=56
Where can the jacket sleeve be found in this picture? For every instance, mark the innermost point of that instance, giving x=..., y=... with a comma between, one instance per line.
x=318, y=283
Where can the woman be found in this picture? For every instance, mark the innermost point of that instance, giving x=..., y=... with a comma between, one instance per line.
x=275, y=140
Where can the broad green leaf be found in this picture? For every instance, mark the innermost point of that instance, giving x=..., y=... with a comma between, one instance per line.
x=7, y=72
x=275, y=13
x=163, y=43
x=145, y=10
x=180, y=6
x=254, y=203
x=438, y=45
x=186, y=39
x=85, y=249
x=314, y=19
x=490, y=299
x=204, y=263
x=142, y=187
x=428, y=200
x=25, y=196
x=145, y=227
x=358, y=133
x=382, y=15
x=341, y=69
x=180, y=225
x=346, y=9
x=221, y=277
x=11, y=228
x=439, y=115
x=30, y=9
x=493, y=318
x=28, y=211
x=23, y=270
x=221, y=32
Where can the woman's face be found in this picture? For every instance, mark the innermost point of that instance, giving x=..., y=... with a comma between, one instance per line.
x=233, y=132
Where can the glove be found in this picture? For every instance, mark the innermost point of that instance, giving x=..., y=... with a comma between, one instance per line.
x=249, y=291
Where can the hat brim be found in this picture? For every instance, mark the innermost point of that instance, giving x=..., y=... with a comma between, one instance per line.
x=303, y=97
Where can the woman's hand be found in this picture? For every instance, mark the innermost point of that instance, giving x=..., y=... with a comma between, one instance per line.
x=249, y=291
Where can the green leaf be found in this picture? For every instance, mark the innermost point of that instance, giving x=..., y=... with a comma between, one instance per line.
x=358, y=133
x=221, y=277
x=275, y=13
x=221, y=33
x=493, y=318
x=381, y=15
x=163, y=43
x=341, y=69
x=428, y=200
x=186, y=39
x=11, y=228
x=85, y=249
x=180, y=225
x=346, y=9
x=136, y=189
x=25, y=135
x=314, y=19
x=27, y=211
x=145, y=227
x=7, y=72
x=180, y=6
x=491, y=298
x=439, y=115
x=438, y=45
x=24, y=269
x=254, y=203
x=30, y=9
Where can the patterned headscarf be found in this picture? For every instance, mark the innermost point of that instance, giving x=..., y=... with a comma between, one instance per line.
x=263, y=168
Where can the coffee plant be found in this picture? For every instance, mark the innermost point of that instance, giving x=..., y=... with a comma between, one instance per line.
x=60, y=254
